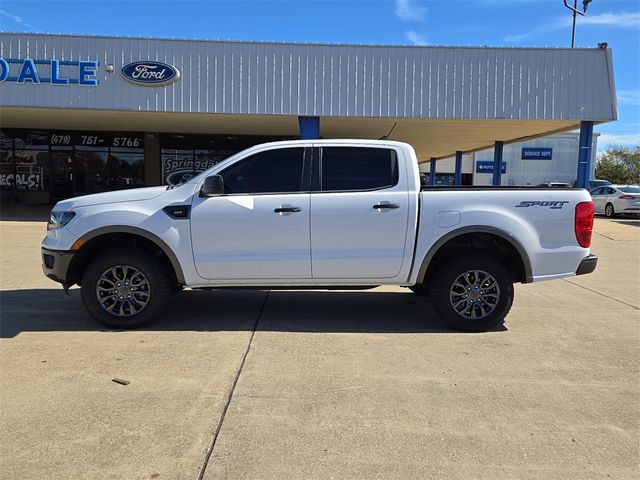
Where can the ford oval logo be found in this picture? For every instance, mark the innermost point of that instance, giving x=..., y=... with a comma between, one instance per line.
x=151, y=73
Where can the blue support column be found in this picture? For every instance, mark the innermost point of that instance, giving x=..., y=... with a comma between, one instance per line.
x=309, y=128
x=432, y=171
x=458, y=171
x=497, y=163
x=584, y=154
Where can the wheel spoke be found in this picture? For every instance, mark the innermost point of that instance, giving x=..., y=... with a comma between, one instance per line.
x=459, y=285
x=109, y=308
x=489, y=286
x=463, y=301
x=104, y=279
x=105, y=298
x=115, y=274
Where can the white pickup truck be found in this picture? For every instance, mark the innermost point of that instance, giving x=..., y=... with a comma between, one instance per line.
x=317, y=214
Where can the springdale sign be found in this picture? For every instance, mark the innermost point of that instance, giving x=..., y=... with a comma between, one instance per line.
x=150, y=73
x=53, y=72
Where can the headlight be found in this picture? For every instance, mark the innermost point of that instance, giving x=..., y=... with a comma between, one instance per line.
x=59, y=219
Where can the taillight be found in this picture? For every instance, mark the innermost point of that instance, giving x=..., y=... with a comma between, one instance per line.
x=584, y=223
x=626, y=197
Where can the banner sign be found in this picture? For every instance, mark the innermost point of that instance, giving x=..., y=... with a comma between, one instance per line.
x=487, y=167
x=36, y=72
x=537, y=153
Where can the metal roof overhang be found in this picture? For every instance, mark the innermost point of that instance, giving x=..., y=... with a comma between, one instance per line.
x=438, y=138
x=444, y=99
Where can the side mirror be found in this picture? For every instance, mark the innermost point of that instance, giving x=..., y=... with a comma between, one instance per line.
x=212, y=186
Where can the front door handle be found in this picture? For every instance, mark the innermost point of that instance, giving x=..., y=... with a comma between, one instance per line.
x=380, y=206
x=286, y=209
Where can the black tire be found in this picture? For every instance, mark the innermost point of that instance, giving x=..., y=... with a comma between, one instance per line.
x=609, y=211
x=155, y=291
x=420, y=290
x=446, y=290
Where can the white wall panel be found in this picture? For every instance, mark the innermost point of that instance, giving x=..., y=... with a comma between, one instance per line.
x=326, y=80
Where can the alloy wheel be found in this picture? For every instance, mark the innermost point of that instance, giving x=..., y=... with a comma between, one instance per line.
x=123, y=290
x=474, y=294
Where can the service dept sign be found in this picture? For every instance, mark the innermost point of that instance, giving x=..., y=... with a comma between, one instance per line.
x=150, y=73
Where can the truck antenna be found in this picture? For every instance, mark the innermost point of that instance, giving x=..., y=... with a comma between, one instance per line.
x=384, y=137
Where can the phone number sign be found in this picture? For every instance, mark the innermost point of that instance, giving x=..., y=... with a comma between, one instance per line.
x=96, y=139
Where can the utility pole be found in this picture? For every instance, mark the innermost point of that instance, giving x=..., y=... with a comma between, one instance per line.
x=576, y=12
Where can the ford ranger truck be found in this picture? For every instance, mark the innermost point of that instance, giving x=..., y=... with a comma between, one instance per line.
x=317, y=214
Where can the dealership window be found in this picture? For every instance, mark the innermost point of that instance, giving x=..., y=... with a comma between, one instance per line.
x=92, y=170
x=125, y=164
x=62, y=164
x=352, y=168
x=31, y=158
x=7, y=168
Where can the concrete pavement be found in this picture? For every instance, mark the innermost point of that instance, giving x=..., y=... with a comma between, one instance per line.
x=334, y=384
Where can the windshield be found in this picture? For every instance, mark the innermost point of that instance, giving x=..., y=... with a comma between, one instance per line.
x=630, y=189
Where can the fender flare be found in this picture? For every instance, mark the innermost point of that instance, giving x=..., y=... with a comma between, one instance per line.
x=141, y=233
x=524, y=256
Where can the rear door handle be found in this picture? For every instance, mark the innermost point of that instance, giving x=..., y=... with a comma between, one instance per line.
x=284, y=209
x=379, y=206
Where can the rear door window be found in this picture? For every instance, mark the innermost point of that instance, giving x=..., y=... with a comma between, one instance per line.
x=349, y=169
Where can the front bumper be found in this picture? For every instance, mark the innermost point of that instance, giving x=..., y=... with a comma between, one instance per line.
x=587, y=265
x=55, y=265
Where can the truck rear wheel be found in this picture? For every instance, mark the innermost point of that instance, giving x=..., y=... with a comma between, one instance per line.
x=125, y=288
x=472, y=293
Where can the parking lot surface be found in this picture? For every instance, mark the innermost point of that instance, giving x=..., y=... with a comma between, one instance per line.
x=367, y=384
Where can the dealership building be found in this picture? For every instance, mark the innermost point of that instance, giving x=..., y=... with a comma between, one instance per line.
x=551, y=158
x=85, y=114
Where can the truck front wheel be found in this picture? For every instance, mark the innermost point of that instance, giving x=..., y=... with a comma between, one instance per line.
x=125, y=288
x=472, y=292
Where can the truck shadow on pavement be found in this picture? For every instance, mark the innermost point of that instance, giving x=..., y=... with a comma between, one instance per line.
x=46, y=310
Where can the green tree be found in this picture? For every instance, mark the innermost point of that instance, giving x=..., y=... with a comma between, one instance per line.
x=620, y=165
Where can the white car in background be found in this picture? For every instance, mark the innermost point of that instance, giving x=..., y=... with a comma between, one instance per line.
x=615, y=199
